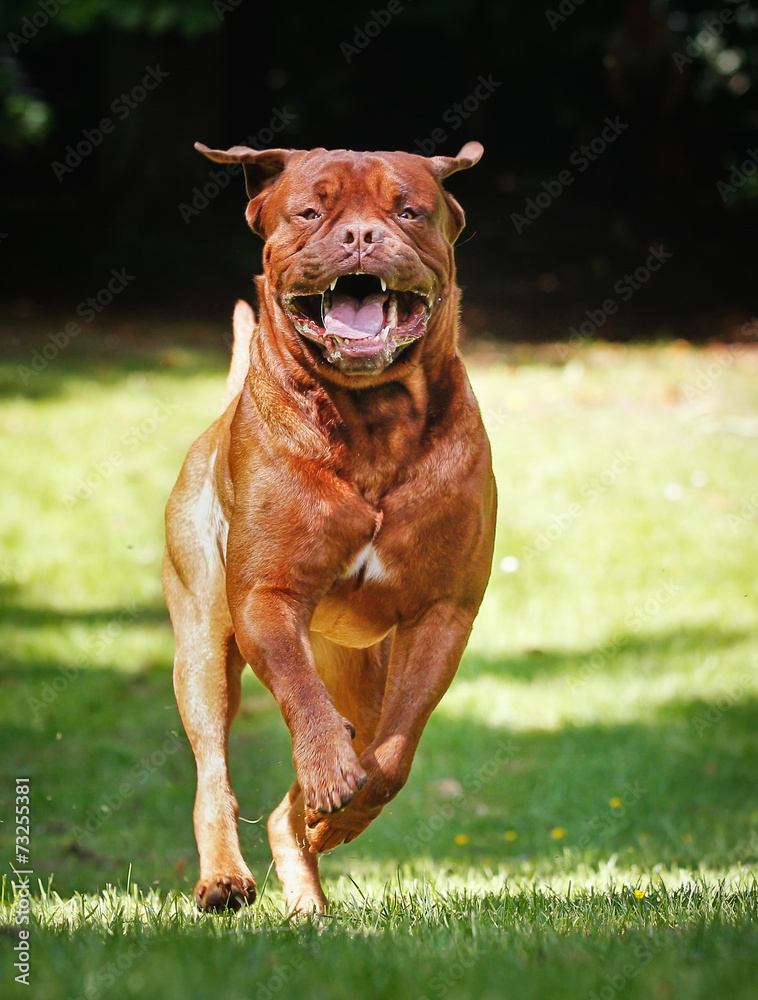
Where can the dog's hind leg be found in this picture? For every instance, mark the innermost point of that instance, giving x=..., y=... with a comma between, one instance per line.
x=207, y=675
x=207, y=682
x=296, y=866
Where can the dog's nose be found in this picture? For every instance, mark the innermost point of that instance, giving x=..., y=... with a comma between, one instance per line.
x=361, y=233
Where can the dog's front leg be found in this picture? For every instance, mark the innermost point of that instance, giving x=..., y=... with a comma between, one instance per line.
x=425, y=656
x=272, y=633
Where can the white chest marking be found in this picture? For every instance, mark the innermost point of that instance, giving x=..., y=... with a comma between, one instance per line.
x=368, y=561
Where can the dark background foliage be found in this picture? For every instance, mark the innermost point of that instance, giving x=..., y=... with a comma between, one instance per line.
x=378, y=76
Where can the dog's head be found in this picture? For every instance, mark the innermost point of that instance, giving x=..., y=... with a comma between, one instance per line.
x=358, y=247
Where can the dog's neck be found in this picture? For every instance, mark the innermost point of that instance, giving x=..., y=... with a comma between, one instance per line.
x=371, y=434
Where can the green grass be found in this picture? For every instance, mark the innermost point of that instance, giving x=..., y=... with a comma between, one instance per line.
x=599, y=741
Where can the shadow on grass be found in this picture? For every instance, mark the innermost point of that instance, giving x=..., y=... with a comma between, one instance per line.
x=36, y=367
x=25, y=616
x=33, y=367
x=113, y=784
x=610, y=657
x=682, y=779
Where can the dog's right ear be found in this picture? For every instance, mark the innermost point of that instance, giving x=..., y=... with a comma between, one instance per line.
x=262, y=169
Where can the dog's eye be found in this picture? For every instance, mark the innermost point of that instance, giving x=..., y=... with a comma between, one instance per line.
x=408, y=213
x=309, y=213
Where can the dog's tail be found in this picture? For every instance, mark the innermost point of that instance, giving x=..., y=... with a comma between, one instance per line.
x=243, y=325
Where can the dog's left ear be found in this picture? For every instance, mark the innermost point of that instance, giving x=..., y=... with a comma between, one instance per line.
x=470, y=155
x=443, y=166
x=262, y=169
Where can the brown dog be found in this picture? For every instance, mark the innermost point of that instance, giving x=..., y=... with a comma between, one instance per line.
x=334, y=527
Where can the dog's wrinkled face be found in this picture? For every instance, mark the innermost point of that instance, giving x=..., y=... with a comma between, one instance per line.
x=357, y=251
x=358, y=245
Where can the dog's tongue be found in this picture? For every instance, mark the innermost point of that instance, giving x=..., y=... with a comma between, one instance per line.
x=355, y=319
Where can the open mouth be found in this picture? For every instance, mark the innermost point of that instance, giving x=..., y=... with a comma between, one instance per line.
x=359, y=323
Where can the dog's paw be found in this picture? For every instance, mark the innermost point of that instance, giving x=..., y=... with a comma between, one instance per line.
x=224, y=892
x=306, y=904
x=329, y=772
x=332, y=786
x=326, y=832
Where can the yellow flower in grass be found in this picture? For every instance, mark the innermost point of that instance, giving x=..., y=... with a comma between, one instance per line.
x=461, y=839
x=510, y=835
x=557, y=833
x=639, y=893
x=615, y=802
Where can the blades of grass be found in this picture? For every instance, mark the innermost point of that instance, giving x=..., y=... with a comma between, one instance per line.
x=262, y=889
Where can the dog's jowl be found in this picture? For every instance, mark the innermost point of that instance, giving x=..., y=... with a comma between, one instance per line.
x=334, y=527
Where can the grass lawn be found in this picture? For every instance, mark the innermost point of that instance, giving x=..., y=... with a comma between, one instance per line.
x=582, y=817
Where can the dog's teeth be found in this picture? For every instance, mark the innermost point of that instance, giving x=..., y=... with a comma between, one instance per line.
x=333, y=285
x=383, y=284
x=392, y=312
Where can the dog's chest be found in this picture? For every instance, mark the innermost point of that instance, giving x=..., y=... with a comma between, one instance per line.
x=359, y=609
x=366, y=566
